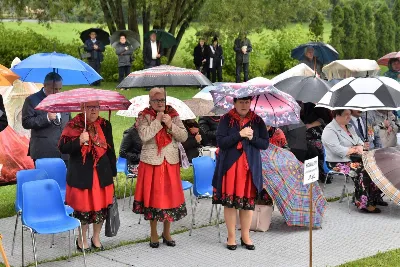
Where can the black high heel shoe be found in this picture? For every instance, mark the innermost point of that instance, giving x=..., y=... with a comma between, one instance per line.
x=101, y=248
x=230, y=247
x=79, y=249
x=249, y=247
x=154, y=244
x=170, y=243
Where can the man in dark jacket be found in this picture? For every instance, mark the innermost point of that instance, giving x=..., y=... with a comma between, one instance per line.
x=152, y=52
x=209, y=126
x=125, y=57
x=200, y=56
x=96, y=49
x=242, y=48
x=130, y=148
x=46, y=127
x=3, y=116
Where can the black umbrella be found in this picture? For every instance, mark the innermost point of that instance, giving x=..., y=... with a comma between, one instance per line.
x=132, y=38
x=102, y=35
x=304, y=88
x=166, y=39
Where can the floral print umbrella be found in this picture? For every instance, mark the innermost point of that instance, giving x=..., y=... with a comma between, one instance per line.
x=273, y=106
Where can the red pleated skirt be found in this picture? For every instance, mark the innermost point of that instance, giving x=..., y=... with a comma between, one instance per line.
x=90, y=200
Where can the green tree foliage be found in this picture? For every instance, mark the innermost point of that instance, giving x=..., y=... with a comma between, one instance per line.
x=396, y=18
x=349, y=41
x=337, y=32
x=361, y=50
x=371, y=37
x=384, y=30
x=316, y=27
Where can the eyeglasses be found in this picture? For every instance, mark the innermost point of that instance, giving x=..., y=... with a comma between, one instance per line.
x=157, y=101
x=93, y=107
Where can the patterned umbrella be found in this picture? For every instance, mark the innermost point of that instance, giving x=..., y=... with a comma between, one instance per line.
x=273, y=106
x=141, y=102
x=384, y=170
x=165, y=76
x=200, y=107
x=70, y=101
x=283, y=177
x=384, y=61
x=7, y=77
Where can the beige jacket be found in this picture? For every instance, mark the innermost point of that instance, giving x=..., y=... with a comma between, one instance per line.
x=148, y=128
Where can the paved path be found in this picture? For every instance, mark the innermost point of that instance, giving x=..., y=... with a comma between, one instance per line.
x=344, y=237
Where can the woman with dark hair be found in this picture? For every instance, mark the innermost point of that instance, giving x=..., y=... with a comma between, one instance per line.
x=215, y=61
x=238, y=178
x=209, y=126
x=194, y=140
x=200, y=56
x=130, y=148
x=343, y=148
x=393, y=69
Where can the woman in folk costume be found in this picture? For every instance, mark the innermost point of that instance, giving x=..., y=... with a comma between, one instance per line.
x=238, y=178
x=91, y=168
x=159, y=194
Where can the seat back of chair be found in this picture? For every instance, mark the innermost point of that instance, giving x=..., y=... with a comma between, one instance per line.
x=23, y=177
x=42, y=201
x=203, y=170
x=325, y=166
x=56, y=169
x=122, y=165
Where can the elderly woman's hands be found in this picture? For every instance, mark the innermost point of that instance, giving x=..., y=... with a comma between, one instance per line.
x=84, y=137
x=167, y=120
x=246, y=132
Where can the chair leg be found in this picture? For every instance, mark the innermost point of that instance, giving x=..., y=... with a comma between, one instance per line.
x=123, y=203
x=22, y=239
x=219, y=229
x=84, y=255
x=194, y=210
x=140, y=218
x=69, y=245
x=348, y=198
x=34, y=247
x=115, y=189
x=191, y=206
x=211, y=214
x=15, y=233
x=130, y=193
x=73, y=234
x=52, y=241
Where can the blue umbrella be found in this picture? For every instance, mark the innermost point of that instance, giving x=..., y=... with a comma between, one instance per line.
x=72, y=70
x=324, y=53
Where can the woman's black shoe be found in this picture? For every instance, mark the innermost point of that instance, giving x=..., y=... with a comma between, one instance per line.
x=170, y=243
x=79, y=249
x=249, y=247
x=230, y=247
x=154, y=244
x=101, y=248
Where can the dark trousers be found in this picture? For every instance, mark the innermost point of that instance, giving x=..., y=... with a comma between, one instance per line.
x=245, y=70
x=123, y=71
x=214, y=73
x=96, y=65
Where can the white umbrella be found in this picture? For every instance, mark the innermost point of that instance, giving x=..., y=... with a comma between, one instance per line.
x=259, y=80
x=298, y=70
x=341, y=69
x=141, y=102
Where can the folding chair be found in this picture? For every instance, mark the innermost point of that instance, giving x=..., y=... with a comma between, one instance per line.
x=44, y=213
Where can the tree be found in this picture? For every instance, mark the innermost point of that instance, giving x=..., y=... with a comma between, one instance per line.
x=371, y=37
x=316, y=27
x=337, y=32
x=384, y=30
x=361, y=30
x=349, y=25
x=396, y=18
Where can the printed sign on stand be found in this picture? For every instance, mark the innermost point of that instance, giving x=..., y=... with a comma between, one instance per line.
x=311, y=171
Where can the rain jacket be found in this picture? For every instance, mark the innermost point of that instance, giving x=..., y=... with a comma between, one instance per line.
x=125, y=57
x=392, y=74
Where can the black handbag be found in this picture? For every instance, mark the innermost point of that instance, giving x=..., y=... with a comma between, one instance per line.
x=112, y=220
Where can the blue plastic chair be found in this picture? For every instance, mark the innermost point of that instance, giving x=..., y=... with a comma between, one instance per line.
x=56, y=169
x=44, y=213
x=122, y=167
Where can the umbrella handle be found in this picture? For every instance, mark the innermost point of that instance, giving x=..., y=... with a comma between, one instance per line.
x=84, y=130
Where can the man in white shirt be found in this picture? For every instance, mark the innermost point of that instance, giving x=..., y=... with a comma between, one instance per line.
x=152, y=52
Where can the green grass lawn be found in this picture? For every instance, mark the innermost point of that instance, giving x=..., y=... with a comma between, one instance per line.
x=385, y=259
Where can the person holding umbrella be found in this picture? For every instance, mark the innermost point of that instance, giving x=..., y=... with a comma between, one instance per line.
x=96, y=49
x=310, y=60
x=124, y=51
x=159, y=194
x=238, y=178
x=88, y=140
x=152, y=52
x=3, y=115
x=393, y=69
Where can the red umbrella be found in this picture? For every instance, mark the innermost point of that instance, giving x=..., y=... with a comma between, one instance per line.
x=384, y=61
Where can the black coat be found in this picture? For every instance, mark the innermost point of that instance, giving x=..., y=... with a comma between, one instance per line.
x=209, y=126
x=44, y=134
x=199, y=55
x=3, y=116
x=80, y=175
x=191, y=146
x=131, y=146
x=95, y=55
x=147, y=54
x=217, y=57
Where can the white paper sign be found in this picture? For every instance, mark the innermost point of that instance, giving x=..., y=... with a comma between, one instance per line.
x=311, y=171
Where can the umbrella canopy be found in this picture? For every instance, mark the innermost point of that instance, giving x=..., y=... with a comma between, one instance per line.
x=102, y=35
x=166, y=39
x=7, y=77
x=165, y=76
x=205, y=92
x=298, y=70
x=139, y=103
x=305, y=89
x=341, y=69
x=363, y=94
x=70, y=101
x=240, y=90
x=325, y=53
x=200, y=107
x=73, y=71
x=131, y=37
x=384, y=170
x=260, y=81
x=283, y=177
x=273, y=106
x=384, y=61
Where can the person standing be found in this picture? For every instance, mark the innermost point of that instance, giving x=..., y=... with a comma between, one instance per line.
x=200, y=56
x=93, y=164
x=3, y=115
x=237, y=180
x=311, y=61
x=152, y=52
x=125, y=57
x=46, y=127
x=96, y=49
x=215, y=61
x=242, y=48
x=159, y=193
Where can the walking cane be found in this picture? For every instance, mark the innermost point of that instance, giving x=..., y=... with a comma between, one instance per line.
x=3, y=253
